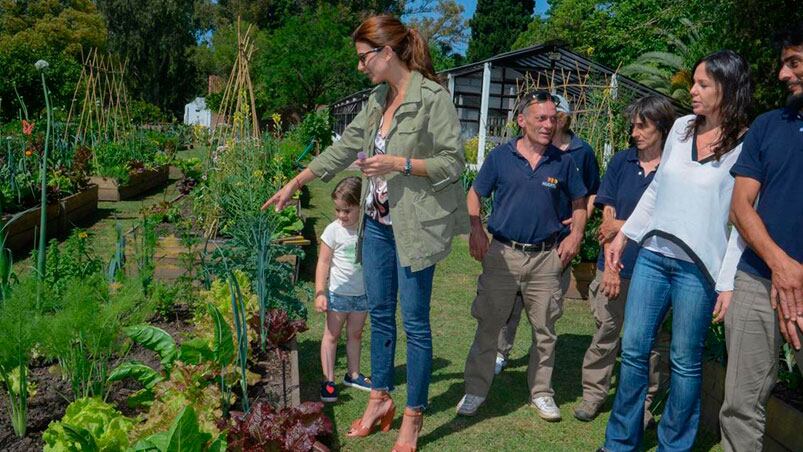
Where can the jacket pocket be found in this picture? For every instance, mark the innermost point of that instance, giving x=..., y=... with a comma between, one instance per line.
x=435, y=207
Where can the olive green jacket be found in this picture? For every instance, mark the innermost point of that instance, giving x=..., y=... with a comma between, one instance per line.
x=426, y=211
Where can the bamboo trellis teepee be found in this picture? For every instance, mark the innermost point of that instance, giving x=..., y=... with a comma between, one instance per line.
x=99, y=107
x=237, y=113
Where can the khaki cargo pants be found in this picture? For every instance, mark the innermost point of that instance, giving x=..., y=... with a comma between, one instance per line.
x=505, y=272
x=753, y=339
x=600, y=358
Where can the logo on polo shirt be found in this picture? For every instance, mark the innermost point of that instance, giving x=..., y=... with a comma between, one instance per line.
x=550, y=182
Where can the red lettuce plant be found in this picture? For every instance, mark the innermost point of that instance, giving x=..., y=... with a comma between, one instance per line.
x=280, y=328
x=288, y=429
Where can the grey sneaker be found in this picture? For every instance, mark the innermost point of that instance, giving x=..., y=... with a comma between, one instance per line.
x=501, y=363
x=546, y=408
x=587, y=411
x=469, y=404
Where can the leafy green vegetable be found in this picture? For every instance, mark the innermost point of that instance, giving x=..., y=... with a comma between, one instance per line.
x=184, y=435
x=157, y=340
x=88, y=424
x=140, y=372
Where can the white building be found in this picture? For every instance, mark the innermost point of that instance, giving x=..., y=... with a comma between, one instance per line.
x=196, y=112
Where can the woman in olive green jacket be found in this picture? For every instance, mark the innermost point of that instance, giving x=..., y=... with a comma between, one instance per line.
x=406, y=141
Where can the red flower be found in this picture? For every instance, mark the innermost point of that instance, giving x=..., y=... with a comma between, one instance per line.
x=27, y=127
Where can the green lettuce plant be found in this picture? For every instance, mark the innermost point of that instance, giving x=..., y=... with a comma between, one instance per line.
x=89, y=424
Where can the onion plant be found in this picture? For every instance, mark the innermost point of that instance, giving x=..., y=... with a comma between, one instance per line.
x=41, y=66
x=240, y=325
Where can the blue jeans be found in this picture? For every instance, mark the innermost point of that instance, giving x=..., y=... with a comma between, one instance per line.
x=659, y=282
x=385, y=278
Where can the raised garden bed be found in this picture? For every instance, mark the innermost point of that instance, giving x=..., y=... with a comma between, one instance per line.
x=280, y=384
x=170, y=254
x=784, y=421
x=22, y=228
x=138, y=182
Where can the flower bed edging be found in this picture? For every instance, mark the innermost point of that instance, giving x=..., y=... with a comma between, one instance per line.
x=21, y=228
x=111, y=190
x=783, y=421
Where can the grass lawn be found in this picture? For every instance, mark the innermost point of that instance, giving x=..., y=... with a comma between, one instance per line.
x=505, y=421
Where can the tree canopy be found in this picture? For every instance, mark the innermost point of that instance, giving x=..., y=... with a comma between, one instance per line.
x=495, y=25
x=156, y=38
x=57, y=32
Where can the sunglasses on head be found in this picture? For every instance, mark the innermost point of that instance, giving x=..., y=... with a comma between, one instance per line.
x=536, y=96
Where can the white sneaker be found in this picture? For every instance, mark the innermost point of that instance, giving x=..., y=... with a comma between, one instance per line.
x=469, y=404
x=546, y=408
x=501, y=363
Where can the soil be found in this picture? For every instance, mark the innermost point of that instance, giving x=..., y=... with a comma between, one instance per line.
x=793, y=397
x=53, y=394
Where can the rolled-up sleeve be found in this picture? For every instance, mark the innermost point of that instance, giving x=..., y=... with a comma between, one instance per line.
x=343, y=152
x=448, y=160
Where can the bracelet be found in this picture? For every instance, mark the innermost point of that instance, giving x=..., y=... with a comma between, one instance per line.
x=298, y=185
x=408, y=167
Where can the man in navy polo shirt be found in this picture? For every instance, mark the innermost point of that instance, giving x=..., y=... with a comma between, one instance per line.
x=526, y=177
x=770, y=272
x=586, y=163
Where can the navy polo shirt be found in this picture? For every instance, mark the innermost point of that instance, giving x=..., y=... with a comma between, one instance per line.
x=588, y=168
x=622, y=186
x=772, y=153
x=526, y=203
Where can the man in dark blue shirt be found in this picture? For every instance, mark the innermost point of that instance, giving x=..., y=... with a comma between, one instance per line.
x=527, y=177
x=770, y=272
x=588, y=169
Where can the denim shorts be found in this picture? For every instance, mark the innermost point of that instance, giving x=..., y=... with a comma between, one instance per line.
x=347, y=303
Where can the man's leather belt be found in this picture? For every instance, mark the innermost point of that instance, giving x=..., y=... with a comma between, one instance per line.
x=545, y=245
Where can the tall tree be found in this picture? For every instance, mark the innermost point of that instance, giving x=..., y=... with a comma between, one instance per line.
x=310, y=60
x=495, y=25
x=156, y=37
x=53, y=31
x=439, y=22
x=272, y=14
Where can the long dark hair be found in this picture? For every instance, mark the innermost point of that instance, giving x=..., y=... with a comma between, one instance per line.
x=412, y=49
x=731, y=73
x=656, y=109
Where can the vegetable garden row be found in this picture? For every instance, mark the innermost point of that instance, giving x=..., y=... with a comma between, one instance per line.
x=102, y=349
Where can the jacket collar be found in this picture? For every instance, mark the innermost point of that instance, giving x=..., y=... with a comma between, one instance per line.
x=411, y=98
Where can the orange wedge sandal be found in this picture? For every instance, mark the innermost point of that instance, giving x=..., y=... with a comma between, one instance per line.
x=383, y=422
x=419, y=419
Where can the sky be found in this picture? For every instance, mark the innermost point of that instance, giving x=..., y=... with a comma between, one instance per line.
x=470, y=5
x=540, y=7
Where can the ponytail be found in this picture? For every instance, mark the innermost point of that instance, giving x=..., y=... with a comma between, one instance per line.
x=417, y=57
x=409, y=45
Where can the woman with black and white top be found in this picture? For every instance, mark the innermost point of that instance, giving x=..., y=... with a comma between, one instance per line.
x=687, y=261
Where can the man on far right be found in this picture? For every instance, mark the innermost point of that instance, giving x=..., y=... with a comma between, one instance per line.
x=768, y=293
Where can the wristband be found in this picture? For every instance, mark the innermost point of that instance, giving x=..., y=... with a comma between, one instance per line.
x=408, y=167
